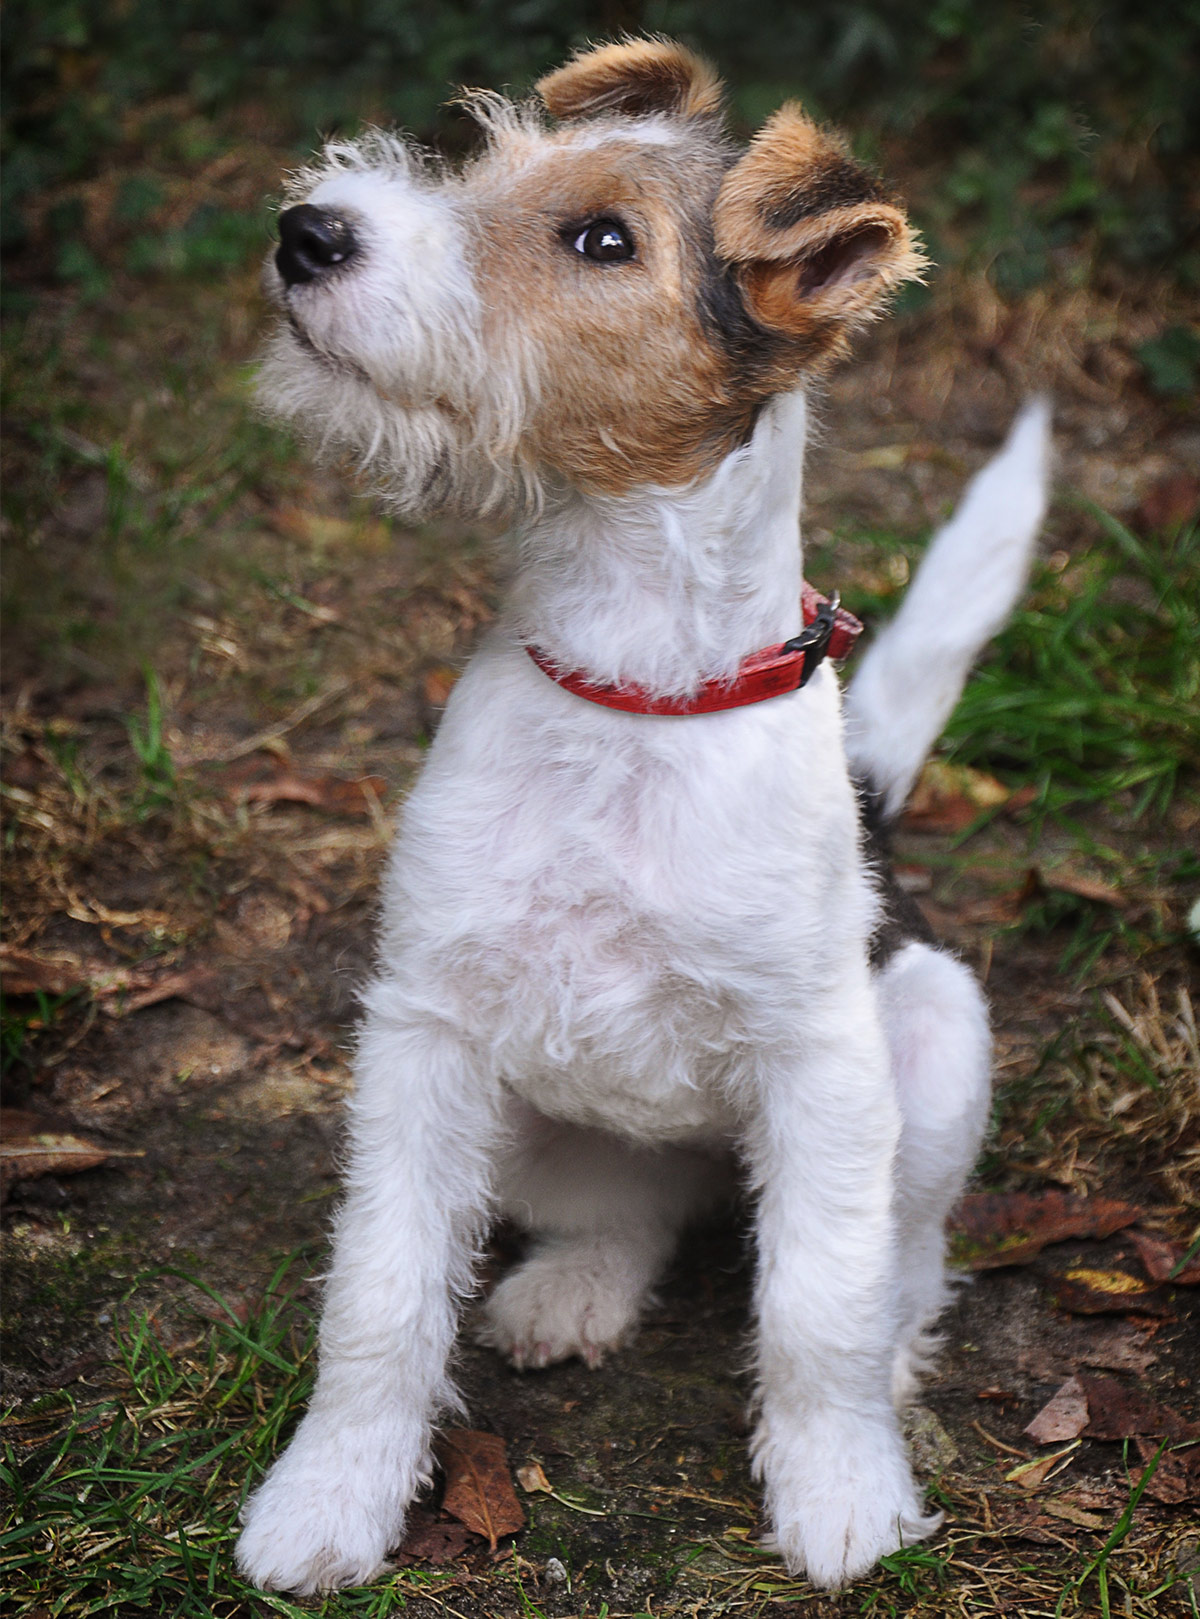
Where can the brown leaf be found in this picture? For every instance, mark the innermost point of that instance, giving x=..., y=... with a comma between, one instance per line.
x=1172, y=501
x=432, y=1540
x=1064, y=1416
x=337, y=795
x=532, y=1479
x=479, y=1489
x=438, y=681
x=1068, y=882
x=949, y=797
x=1118, y=1412
x=1010, y=1228
x=1062, y=1508
x=1084, y=1291
x=29, y=1149
x=1176, y=1478
x=1115, y=1346
x=1032, y=1475
x=1160, y=1258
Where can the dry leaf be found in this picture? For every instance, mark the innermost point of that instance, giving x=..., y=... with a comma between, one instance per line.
x=1115, y=1346
x=337, y=795
x=1160, y=1258
x=432, y=1540
x=532, y=1479
x=1067, y=882
x=1176, y=1478
x=479, y=1490
x=438, y=681
x=1032, y=1475
x=1010, y=1228
x=1084, y=1291
x=1070, y=1513
x=29, y=1149
x=1118, y=1412
x=1064, y=1416
x=949, y=797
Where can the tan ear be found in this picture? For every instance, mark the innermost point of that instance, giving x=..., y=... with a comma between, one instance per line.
x=814, y=240
x=635, y=76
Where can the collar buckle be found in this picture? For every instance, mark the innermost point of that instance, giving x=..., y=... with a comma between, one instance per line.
x=814, y=638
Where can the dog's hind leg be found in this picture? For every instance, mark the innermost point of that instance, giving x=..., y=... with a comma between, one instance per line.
x=604, y=1216
x=935, y=1022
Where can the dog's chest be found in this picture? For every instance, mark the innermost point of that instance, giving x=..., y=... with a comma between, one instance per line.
x=626, y=914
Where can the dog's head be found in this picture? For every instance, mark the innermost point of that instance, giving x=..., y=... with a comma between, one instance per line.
x=605, y=301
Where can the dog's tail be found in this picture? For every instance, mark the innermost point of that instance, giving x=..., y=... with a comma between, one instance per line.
x=966, y=587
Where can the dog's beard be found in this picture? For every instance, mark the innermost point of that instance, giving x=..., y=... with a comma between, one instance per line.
x=425, y=460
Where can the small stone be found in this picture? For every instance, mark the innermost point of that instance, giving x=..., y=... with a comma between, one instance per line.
x=932, y=1447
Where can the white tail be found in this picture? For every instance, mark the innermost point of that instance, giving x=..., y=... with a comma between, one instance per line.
x=975, y=569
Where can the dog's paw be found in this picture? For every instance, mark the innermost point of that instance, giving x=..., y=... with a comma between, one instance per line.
x=567, y=1299
x=840, y=1495
x=325, y=1516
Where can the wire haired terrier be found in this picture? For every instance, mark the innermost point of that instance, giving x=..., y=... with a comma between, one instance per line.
x=632, y=924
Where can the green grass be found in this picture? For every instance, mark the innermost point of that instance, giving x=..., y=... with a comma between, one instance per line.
x=128, y=1503
x=1092, y=690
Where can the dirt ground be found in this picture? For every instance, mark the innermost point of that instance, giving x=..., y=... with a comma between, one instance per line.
x=195, y=917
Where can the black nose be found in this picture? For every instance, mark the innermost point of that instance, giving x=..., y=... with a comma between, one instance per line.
x=311, y=242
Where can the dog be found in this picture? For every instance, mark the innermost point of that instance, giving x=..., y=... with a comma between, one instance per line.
x=621, y=947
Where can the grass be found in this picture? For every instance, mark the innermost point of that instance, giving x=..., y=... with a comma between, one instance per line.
x=126, y=1502
x=1092, y=689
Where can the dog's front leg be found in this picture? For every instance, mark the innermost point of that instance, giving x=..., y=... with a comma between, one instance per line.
x=839, y=1489
x=421, y=1125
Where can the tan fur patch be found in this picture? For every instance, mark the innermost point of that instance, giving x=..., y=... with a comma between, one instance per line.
x=636, y=77
x=632, y=388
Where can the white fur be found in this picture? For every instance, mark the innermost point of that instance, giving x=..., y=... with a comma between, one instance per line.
x=965, y=589
x=615, y=947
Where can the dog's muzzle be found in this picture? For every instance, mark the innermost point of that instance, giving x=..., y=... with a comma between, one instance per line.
x=312, y=242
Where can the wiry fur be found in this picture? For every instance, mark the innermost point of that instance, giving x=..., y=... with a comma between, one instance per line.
x=619, y=951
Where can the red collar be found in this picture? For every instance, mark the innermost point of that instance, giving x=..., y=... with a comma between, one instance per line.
x=829, y=632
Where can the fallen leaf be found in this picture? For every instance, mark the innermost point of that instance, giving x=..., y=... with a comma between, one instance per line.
x=1172, y=501
x=28, y=1149
x=479, y=1490
x=1068, y=882
x=337, y=795
x=1118, y=1412
x=531, y=1478
x=1084, y=1291
x=1031, y=1475
x=432, y=1540
x=949, y=797
x=1160, y=1258
x=438, y=681
x=1010, y=1228
x=1115, y=1346
x=1064, y=1416
x=1070, y=1513
x=1176, y=1478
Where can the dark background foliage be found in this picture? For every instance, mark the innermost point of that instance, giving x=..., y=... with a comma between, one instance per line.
x=1090, y=110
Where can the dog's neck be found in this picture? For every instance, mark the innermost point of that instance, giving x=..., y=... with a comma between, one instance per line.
x=666, y=588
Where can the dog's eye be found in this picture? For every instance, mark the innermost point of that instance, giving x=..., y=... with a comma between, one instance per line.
x=605, y=241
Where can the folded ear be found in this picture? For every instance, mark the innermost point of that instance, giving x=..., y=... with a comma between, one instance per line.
x=635, y=76
x=812, y=237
